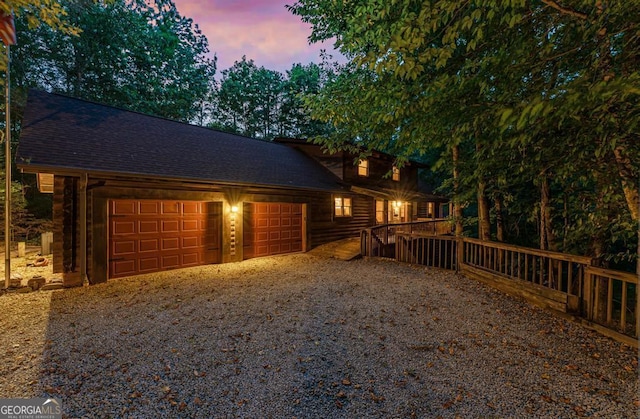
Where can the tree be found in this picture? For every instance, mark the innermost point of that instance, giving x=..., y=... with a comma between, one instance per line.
x=534, y=92
x=134, y=54
x=36, y=13
x=262, y=103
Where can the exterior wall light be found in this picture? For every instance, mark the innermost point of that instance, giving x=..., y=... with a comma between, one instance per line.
x=234, y=209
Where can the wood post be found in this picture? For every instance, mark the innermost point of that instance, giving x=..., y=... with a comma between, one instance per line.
x=84, y=180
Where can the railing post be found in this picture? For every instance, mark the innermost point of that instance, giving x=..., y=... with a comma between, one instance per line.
x=370, y=238
x=587, y=293
x=363, y=244
x=459, y=253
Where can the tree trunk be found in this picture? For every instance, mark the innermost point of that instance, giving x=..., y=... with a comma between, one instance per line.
x=547, y=238
x=565, y=218
x=497, y=201
x=629, y=182
x=457, y=207
x=484, y=223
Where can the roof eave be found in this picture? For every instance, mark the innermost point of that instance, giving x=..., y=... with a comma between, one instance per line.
x=77, y=172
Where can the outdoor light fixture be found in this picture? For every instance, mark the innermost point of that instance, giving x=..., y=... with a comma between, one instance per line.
x=234, y=209
x=397, y=204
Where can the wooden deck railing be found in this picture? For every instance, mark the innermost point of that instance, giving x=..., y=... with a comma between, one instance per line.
x=604, y=299
x=611, y=299
x=380, y=240
x=435, y=251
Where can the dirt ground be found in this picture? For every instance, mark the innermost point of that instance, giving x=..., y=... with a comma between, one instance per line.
x=24, y=265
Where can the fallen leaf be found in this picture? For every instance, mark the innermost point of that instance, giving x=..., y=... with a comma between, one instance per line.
x=346, y=382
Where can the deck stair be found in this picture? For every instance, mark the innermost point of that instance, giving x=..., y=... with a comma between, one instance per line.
x=347, y=249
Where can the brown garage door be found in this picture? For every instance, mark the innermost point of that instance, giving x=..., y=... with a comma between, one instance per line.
x=148, y=235
x=272, y=229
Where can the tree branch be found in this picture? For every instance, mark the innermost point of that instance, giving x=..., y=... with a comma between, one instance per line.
x=565, y=10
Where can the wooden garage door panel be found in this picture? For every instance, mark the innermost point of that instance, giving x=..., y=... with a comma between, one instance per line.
x=124, y=267
x=148, y=226
x=170, y=207
x=147, y=265
x=275, y=228
x=148, y=207
x=190, y=225
x=152, y=235
x=124, y=208
x=119, y=227
x=148, y=245
x=124, y=247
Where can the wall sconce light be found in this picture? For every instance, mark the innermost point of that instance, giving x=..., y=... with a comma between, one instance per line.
x=397, y=204
x=234, y=209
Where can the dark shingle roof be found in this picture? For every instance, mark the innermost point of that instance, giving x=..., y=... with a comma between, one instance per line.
x=61, y=133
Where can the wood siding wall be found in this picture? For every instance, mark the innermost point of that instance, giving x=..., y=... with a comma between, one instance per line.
x=324, y=227
x=378, y=169
x=321, y=224
x=66, y=226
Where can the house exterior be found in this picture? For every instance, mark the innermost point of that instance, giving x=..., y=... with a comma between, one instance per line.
x=398, y=194
x=136, y=194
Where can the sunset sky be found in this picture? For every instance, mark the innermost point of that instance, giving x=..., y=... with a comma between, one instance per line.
x=263, y=30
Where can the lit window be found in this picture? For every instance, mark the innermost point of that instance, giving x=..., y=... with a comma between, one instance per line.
x=363, y=167
x=395, y=174
x=342, y=207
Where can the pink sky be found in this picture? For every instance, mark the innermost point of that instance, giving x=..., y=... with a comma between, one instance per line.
x=263, y=30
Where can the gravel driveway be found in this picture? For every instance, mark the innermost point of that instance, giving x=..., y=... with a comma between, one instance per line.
x=301, y=336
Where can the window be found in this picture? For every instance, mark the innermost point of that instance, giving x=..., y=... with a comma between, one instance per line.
x=342, y=207
x=426, y=210
x=395, y=175
x=363, y=167
x=397, y=211
x=381, y=217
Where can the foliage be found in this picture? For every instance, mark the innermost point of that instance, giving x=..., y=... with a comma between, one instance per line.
x=36, y=13
x=141, y=55
x=531, y=90
x=24, y=224
x=262, y=103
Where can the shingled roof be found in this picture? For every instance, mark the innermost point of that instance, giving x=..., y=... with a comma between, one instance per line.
x=64, y=134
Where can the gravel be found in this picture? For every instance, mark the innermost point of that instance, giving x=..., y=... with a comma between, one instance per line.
x=302, y=336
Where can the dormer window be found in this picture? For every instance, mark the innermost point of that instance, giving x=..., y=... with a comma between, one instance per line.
x=395, y=174
x=363, y=167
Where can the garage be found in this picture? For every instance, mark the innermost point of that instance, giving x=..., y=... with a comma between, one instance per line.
x=272, y=228
x=156, y=235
